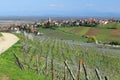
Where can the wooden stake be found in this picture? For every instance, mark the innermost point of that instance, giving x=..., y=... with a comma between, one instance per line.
x=33, y=54
x=64, y=73
x=25, y=55
x=37, y=64
x=98, y=74
x=19, y=62
x=52, y=69
x=86, y=76
x=73, y=77
x=40, y=55
x=46, y=67
x=106, y=78
x=78, y=75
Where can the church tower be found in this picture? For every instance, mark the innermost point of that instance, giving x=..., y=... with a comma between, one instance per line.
x=48, y=23
x=49, y=19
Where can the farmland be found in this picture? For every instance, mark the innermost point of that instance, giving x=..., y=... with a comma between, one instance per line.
x=104, y=33
x=8, y=68
x=57, y=54
x=46, y=50
x=53, y=49
x=59, y=51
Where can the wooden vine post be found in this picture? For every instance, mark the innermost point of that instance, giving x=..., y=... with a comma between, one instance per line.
x=71, y=73
x=98, y=74
x=19, y=62
x=78, y=75
x=52, y=69
x=86, y=76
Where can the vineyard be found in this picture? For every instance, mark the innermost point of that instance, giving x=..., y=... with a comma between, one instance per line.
x=60, y=60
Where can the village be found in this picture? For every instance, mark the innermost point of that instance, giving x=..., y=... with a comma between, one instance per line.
x=49, y=23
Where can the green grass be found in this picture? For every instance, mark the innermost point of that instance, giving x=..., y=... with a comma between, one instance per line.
x=112, y=25
x=81, y=30
x=104, y=35
x=60, y=34
x=9, y=68
x=0, y=34
x=104, y=32
x=108, y=63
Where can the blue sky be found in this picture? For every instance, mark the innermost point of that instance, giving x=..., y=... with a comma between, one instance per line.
x=59, y=7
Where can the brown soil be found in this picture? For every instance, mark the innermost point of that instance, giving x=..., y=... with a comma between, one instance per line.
x=75, y=30
x=116, y=33
x=92, y=32
x=5, y=77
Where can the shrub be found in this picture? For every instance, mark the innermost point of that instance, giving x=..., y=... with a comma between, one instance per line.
x=92, y=39
x=114, y=43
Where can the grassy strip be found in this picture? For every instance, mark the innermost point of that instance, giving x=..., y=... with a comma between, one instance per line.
x=0, y=34
x=104, y=33
x=76, y=30
x=9, y=68
x=61, y=34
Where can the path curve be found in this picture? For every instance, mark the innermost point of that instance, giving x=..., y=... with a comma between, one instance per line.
x=6, y=41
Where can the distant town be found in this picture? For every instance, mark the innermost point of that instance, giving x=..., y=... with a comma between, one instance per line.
x=31, y=26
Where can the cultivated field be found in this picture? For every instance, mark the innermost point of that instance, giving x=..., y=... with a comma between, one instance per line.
x=58, y=55
x=50, y=57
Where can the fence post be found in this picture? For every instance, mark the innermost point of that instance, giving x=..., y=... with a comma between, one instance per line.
x=78, y=75
x=19, y=63
x=25, y=55
x=37, y=64
x=106, y=78
x=98, y=74
x=64, y=73
x=46, y=68
x=73, y=77
x=86, y=76
x=52, y=69
x=33, y=54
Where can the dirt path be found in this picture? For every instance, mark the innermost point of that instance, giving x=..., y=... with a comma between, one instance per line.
x=6, y=41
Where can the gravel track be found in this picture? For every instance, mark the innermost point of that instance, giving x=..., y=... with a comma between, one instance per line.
x=6, y=41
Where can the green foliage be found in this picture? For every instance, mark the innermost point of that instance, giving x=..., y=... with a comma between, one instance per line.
x=114, y=43
x=112, y=25
x=81, y=30
x=60, y=34
x=9, y=68
x=75, y=33
x=107, y=62
x=0, y=34
x=92, y=39
x=91, y=25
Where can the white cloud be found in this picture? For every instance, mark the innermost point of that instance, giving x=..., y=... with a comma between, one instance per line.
x=52, y=5
x=89, y=5
x=56, y=5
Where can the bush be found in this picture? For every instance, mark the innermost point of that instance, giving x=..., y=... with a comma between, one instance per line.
x=92, y=39
x=113, y=27
x=114, y=43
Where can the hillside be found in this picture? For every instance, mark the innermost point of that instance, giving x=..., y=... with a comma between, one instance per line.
x=47, y=55
x=102, y=34
x=9, y=69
